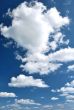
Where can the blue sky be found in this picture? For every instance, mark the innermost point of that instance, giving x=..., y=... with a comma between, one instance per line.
x=37, y=55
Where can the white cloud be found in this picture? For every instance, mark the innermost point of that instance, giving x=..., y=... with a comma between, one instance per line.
x=42, y=67
x=26, y=102
x=44, y=64
x=6, y=94
x=71, y=67
x=70, y=84
x=70, y=101
x=56, y=20
x=48, y=107
x=68, y=88
x=58, y=39
x=70, y=97
x=32, y=26
x=38, y=63
x=54, y=98
x=52, y=90
x=12, y=106
x=63, y=55
x=68, y=91
x=26, y=81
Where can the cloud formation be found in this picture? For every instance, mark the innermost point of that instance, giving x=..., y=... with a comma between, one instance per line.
x=33, y=25
x=45, y=64
x=68, y=91
x=26, y=81
x=63, y=55
x=6, y=94
x=54, y=98
x=26, y=102
x=71, y=67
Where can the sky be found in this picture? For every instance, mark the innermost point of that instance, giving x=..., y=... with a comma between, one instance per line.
x=36, y=55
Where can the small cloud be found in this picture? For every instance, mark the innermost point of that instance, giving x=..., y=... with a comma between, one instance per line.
x=53, y=91
x=6, y=94
x=26, y=102
x=70, y=68
x=54, y=98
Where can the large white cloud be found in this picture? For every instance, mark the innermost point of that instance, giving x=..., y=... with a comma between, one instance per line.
x=32, y=26
x=26, y=81
x=45, y=64
x=6, y=94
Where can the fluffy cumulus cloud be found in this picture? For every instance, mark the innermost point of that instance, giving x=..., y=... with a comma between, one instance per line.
x=26, y=102
x=6, y=94
x=26, y=81
x=33, y=27
x=44, y=64
x=39, y=63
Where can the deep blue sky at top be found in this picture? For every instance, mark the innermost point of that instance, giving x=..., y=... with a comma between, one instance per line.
x=9, y=66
